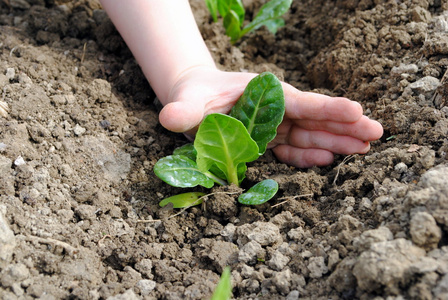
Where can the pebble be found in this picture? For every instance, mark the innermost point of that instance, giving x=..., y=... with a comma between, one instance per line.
x=317, y=267
x=278, y=261
x=13, y=274
x=370, y=237
x=293, y=295
x=10, y=73
x=424, y=231
x=19, y=161
x=146, y=286
x=386, y=264
x=250, y=252
x=78, y=130
x=282, y=281
x=128, y=295
x=144, y=267
x=264, y=233
x=7, y=242
x=427, y=84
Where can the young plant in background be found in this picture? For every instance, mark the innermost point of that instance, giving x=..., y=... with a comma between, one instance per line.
x=233, y=14
x=223, y=290
x=225, y=143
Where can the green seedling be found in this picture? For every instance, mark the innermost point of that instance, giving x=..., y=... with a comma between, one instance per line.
x=225, y=143
x=233, y=14
x=223, y=290
x=183, y=200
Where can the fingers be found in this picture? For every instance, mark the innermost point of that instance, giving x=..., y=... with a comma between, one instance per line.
x=364, y=129
x=303, y=158
x=306, y=139
x=181, y=116
x=312, y=106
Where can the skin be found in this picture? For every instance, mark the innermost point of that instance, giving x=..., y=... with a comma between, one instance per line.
x=167, y=44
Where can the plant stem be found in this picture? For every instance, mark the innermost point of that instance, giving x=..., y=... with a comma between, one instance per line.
x=215, y=178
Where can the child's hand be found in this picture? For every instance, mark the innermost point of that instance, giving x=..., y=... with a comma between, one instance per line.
x=314, y=127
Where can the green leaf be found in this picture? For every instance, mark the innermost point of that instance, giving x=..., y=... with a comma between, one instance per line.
x=180, y=171
x=232, y=26
x=186, y=150
x=223, y=290
x=270, y=11
x=225, y=142
x=183, y=200
x=261, y=108
x=259, y=193
x=212, y=6
x=274, y=25
x=225, y=6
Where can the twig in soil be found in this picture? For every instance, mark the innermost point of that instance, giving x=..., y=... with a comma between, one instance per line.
x=70, y=250
x=100, y=242
x=346, y=159
x=14, y=49
x=83, y=53
x=289, y=198
x=148, y=221
x=4, y=109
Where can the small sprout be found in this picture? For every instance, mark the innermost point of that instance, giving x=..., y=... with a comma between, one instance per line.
x=233, y=14
x=183, y=200
x=392, y=137
x=223, y=290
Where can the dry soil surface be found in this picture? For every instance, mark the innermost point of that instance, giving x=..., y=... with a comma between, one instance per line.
x=79, y=214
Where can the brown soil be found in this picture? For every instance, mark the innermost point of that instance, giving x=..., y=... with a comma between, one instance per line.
x=79, y=214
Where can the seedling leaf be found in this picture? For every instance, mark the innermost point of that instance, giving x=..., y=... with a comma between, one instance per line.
x=183, y=200
x=224, y=141
x=232, y=25
x=223, y=290
x=212, y=6
x=225, y=6
x=259, y=193
x=273, y=9
x=274, y=25
x=186, y=150
x=180, y=171
x=261, y=108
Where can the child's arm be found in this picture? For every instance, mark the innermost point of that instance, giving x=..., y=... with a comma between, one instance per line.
x=164, y=38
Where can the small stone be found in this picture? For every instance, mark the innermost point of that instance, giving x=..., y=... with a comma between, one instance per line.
x=13, y=274
x=146, y=286
x=128, y=295
x=144, y=267
x=278, y=261
x=7, y=242
x=405, y=69
x=78, y=130
x=427, y=84
x=401, y=167
x=10, y=73
x=317, y=267
x=264, y=233
x=424, y=231
x=293, y=295
x=369, y=237
x=19, y=161
x=282, y=281
x=250, y=252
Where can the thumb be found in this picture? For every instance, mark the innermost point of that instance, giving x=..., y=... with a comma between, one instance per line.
x=181, y=116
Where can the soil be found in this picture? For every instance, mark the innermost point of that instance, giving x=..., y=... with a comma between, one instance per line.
x=79, y=214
